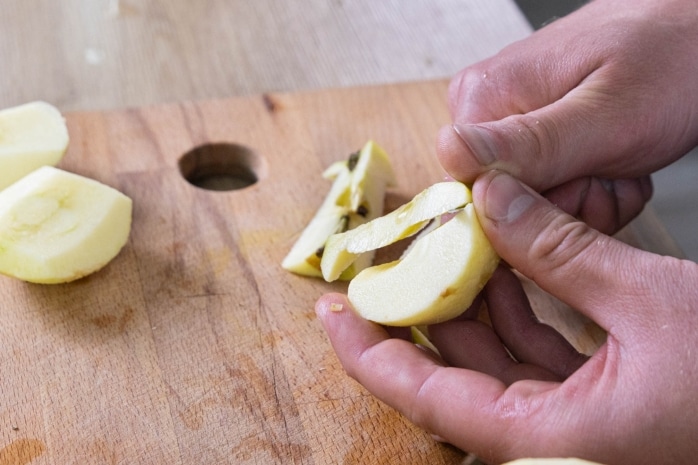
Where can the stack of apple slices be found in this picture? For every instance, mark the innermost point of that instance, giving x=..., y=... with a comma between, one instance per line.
x=55, y=226
x=357, y=195
x=439, y=275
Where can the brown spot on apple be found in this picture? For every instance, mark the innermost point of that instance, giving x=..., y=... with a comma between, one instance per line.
x=449, y=291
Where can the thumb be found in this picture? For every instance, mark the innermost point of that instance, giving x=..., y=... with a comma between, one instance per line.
x=571, y=138
x=577, y=264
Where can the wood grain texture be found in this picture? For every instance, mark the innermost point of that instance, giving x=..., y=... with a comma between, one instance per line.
x=100, y=54
x=193, y=345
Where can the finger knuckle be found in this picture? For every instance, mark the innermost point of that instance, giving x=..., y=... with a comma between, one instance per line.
x=538, y=135
x=473, y=86
x=417, y=413
x=560, y=243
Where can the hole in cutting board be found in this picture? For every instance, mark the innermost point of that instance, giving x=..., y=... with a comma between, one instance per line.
x=221, y=166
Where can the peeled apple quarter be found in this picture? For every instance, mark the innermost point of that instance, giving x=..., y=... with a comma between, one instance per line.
x=31, y=135
x=57, y=226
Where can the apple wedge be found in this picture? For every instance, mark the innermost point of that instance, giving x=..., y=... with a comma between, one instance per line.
x=342, y=249
x=31, y=135
x=357, y=195
x=372, y=173
x=436, y=280
x=57, y=226
x=332, y=217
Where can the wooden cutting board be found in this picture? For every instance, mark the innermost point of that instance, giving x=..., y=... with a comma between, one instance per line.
x=193, y=346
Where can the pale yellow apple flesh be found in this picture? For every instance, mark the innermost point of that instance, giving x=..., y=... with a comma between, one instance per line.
x=436, y=281
x=371, y=175
x=420, y=336
x=357, y=195
x=31, y=135
x=57, y=226
x=342, y=249
x=331, y=217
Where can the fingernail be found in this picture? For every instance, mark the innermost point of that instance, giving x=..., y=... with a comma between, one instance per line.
x=478, y=140
x=507, y=199
x=438, y=438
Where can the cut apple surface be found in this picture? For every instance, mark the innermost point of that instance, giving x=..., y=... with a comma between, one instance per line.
x=342, y=249
x=31, y=135
x=436, y=281
x=57, y=226
x=357, y=195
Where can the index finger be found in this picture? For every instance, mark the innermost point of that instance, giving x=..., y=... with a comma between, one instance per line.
x=471, y=410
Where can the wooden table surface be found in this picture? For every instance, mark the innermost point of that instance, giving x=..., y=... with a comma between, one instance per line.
x=94, y=58
x=102, y=54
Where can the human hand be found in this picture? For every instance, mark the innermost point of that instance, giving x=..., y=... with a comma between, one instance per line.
x=583, y=110
x=632, y=402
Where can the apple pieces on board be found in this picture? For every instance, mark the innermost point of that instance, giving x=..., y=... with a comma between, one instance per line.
x=57, y=226
x=440, y=274
x=31, y=135
x=357, y=195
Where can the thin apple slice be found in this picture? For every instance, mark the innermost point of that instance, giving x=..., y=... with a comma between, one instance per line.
x=31, y=135
x=342, y=249
x=420, y=336
x=432, y=225
x=357, y=195
x=437, y=280
x=372, y=174
x=57, y=226
x=331, y=217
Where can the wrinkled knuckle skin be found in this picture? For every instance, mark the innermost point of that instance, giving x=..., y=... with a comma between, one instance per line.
x=417, y=411
x=471, y=90
x=559, y=244
x=539, y=136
